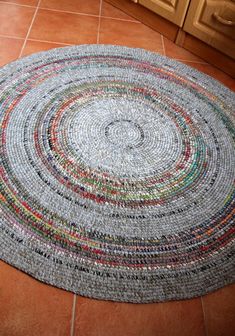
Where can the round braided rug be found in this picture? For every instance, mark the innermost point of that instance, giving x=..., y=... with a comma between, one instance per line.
x=117, y=174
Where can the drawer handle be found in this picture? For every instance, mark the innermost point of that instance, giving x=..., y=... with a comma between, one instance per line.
x=222, y=20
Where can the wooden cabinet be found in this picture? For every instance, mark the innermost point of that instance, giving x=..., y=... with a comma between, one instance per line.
x=204, y=27
x=213, y=21
x=172, y=10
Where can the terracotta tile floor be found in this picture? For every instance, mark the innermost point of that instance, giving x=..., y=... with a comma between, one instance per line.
x=30, y=308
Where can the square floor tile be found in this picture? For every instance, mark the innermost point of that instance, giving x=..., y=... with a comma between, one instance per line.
x=113, y=12
x=15, y=20
x=30, y=308
x=64, y=27
x=9, y=49
x=174, y=51
x=131, y=34
x=105, y=318
x=219, y=310
x=37, y=46
x=80, y=6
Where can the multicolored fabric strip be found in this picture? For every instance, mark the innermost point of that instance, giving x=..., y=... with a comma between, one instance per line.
x=117, y=174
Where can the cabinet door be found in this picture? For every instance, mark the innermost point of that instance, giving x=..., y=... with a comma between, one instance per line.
x=213, y=21
x=172, y=10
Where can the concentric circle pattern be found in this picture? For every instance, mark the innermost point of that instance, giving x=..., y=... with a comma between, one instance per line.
x=117, y=174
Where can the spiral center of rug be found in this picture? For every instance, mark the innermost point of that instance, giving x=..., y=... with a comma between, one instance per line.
x=121, y=136
x=125, y=134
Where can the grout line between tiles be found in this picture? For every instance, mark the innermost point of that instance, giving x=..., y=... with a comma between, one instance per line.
x=119, y=19
x=29, y=30
x=204, y=317
x=13, y=37
x=73, y=315
x=68, y=12
x=98, y=30
x=17, y=4
x=46, y=41
x=163, y=45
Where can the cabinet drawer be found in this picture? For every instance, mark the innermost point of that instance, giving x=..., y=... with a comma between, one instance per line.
x=172, y=10
x=213, y=22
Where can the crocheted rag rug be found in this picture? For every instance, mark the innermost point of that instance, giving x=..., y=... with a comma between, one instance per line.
x=117, y=174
